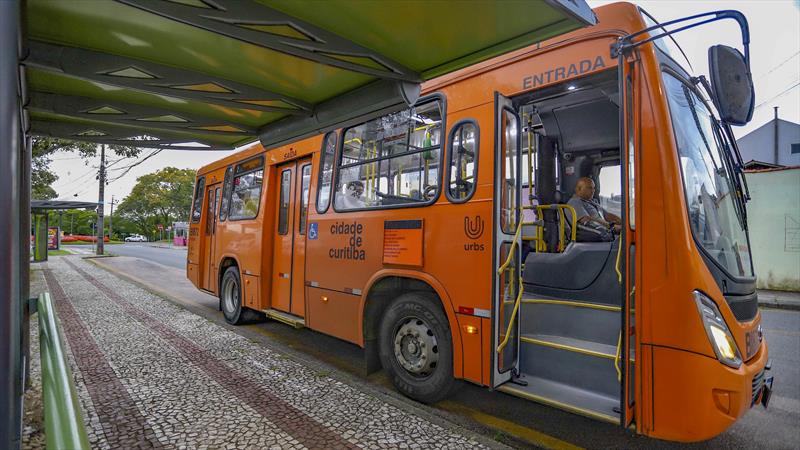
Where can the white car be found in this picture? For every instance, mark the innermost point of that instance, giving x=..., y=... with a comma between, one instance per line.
x=136, y=238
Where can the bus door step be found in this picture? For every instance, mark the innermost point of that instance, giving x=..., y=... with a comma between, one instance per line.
x=284, y=317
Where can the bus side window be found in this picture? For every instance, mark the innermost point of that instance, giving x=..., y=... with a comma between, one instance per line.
x=199, y=190
x=326, y=173
x=226, y=194
x=463, y=157
x=392, y=161
x=246, y=191
x=304, y=188
x=283, y=207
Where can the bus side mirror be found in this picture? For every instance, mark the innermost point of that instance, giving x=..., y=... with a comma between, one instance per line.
x=732, y=84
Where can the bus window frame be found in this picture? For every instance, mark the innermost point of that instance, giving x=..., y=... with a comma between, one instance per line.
x=227, y=190
x=334, y=166
x=302, y=218
x=199, y=190
x=285, y=230
x=436, y=96
x=262, y=167
x=518, y=175
x=476, y=160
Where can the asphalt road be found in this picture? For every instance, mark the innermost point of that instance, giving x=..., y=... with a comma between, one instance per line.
x=777, y=427
x=172, y=257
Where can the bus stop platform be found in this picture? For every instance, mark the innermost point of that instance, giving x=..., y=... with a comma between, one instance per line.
x=151, y=374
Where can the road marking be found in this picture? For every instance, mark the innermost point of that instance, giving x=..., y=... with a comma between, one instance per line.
x=514, y=429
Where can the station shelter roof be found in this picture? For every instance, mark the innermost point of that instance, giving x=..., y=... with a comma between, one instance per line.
x=46, y=205
x=217, y=74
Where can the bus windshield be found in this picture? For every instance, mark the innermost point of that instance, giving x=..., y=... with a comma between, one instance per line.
x=715, y=220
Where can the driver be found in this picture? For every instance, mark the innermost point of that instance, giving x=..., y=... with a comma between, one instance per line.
x=588, y=211
x=352, y=198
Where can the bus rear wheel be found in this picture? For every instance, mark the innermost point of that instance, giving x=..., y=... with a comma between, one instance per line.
x=416, y=348
x=230, y=295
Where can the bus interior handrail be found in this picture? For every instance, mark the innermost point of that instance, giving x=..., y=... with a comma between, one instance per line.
x=500, y=270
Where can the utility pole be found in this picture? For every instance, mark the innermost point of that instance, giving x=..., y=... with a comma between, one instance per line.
x=111, y=218
x=776, y=136
x=101, y=201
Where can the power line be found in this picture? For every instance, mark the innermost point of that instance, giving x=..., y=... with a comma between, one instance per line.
x=69, y=183
x=131, y=166
x=780, y=94
x=778, y=66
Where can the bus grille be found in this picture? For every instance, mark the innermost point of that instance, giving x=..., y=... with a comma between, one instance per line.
x=758, y=383
x=744, y=307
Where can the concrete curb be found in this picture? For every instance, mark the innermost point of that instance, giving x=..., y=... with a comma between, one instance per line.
x=171, y=247
x=779, y=300
x=791, y=306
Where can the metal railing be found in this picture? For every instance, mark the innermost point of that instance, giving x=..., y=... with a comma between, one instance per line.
x=63, y=421
x=500, y=271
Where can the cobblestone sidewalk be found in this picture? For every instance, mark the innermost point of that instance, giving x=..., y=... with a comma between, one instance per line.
x=152, y=375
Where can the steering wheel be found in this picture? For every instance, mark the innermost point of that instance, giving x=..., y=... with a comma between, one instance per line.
x=430, y=192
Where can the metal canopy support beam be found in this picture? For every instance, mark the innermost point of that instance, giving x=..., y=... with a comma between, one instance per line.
x=46, y=205
x=11, y=291
x=237, y=19
x=372, y=100
x=157, y=79
x=117, y=135
x=130, y=114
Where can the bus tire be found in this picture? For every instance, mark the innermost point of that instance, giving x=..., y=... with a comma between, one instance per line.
x=416, y=348
x=230, y=296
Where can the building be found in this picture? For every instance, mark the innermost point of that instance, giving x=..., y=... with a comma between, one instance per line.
x=758, y=147
x=773, y=216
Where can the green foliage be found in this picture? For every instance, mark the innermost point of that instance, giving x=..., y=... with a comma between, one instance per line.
x=162, y=197
x=75, y=221
x=42, y=148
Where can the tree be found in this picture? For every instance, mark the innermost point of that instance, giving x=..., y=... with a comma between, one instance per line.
x=161, y=197
x=42, y=178
x=74, y=221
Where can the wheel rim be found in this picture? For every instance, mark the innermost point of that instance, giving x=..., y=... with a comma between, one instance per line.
x=415, y=347
x=230, y=296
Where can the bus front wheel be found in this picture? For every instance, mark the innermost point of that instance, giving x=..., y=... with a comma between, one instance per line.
x=231, y=296
x=416, y=348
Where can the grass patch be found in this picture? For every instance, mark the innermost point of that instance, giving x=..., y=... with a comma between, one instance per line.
x=58, y=253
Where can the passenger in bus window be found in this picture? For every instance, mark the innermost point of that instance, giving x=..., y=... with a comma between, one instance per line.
x=353, y=196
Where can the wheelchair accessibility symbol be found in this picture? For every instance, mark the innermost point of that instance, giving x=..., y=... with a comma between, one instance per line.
x=313, y=230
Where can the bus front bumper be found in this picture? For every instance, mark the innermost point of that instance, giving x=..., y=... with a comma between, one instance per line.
x=695, y=397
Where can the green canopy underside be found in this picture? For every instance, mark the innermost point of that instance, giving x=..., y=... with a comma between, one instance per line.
x=222, y=73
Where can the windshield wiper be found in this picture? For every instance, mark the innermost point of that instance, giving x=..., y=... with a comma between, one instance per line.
x=733, y=159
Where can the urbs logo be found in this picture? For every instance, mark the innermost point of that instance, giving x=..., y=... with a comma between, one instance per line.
x=473, y=229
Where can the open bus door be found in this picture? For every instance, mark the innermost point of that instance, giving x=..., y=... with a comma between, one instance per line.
x=209, y=237
x=626, y=263
x=507, y=240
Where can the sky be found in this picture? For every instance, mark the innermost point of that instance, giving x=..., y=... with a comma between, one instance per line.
x=775, y=63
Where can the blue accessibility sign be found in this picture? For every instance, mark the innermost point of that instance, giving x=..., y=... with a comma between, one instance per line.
x=313, y=230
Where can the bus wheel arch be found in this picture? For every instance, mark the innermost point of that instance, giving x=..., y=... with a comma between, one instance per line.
x=227, y=261
x=230, y=293
x=386, y=286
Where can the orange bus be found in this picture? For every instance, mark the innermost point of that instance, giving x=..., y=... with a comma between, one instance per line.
x=565, y=223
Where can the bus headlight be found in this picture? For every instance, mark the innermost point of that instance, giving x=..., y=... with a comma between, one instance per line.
x=718, y=332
